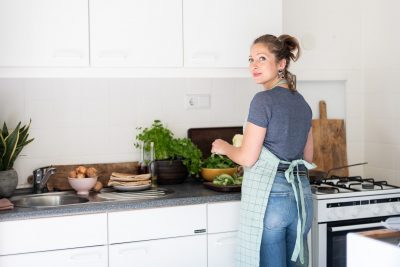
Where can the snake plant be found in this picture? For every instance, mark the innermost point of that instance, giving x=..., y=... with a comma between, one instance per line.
x=12, y=143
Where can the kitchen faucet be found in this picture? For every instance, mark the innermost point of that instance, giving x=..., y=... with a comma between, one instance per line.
x=41, y=177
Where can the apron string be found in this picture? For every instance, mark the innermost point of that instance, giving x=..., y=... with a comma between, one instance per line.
x=301, y=210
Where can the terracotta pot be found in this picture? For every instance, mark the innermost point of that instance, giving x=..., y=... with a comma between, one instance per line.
x=8, y=183
x=170, y=171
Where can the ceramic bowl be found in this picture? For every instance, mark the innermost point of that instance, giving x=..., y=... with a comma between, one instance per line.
x=82, y=185
x=210, y=174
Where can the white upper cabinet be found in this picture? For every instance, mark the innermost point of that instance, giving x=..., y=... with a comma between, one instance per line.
x=218, y=33
x=136, y=33
x=44, y=33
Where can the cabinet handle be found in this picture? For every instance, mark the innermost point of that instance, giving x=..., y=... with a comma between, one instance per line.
x=66, y=53
x=140, y=250
x=113, y=54
x=86, y=256
x=229, y=240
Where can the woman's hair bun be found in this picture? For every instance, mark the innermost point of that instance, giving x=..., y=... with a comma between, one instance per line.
x=290, y=45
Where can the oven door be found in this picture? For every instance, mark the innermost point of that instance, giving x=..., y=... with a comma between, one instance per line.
x=336, y=237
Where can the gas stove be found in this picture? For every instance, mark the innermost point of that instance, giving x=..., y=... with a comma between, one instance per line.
x=352, y=186
x=347, y=204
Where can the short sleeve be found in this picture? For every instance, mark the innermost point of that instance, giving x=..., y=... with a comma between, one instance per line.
x=259, y=110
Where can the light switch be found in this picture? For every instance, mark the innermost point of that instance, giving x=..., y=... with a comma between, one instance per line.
x=197, y=101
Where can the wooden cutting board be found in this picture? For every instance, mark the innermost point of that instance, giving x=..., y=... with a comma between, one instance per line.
x=329, y=137
x=59, y=180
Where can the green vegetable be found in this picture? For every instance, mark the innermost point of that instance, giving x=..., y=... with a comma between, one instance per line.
x=216, y=161
x=226, y=179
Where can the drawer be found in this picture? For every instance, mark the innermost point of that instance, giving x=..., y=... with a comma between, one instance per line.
x=223, y=216
x=146, y=224
x=53, y=233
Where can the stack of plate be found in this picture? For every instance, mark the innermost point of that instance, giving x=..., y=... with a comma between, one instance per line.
x=130, y=182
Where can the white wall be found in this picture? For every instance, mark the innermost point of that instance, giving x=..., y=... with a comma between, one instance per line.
x=357, y=41
x=94, y=120
x=382, y=95
x=330, y=34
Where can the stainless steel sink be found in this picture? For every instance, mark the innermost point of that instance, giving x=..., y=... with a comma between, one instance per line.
x=48, y=200
x=64, y=198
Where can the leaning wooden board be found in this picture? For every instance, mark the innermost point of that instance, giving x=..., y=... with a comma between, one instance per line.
x=59, y=181
x=329, y=136
x=203, y=137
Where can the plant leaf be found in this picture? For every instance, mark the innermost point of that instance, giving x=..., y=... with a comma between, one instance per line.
x=10, y=147
x=2, y=149
x=5, y=130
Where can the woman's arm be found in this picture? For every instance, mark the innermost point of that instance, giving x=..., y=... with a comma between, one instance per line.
x=309, y=148
x=247, y=154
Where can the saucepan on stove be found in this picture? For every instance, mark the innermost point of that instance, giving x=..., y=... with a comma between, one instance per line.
x=318, y=175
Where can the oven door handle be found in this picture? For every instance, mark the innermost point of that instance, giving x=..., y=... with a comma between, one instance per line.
x=355, y=227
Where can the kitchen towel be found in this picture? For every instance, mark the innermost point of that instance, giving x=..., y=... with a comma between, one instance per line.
x=6, y=204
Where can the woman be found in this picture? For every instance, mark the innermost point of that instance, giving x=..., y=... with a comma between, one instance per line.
x=276, y=151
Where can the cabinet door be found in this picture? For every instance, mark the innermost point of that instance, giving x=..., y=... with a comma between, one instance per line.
x=44, y=33
x=222, y=249
x=156, y=223
x=82, y=257
x=223, y=217
x=53, y=233
x=171, y=252
x=136, y=33
x=219, y=33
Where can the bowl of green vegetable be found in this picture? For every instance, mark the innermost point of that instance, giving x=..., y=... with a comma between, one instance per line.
x=216, y=165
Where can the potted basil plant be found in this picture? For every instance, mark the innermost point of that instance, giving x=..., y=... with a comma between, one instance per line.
x=175, y=158
x=11, y=145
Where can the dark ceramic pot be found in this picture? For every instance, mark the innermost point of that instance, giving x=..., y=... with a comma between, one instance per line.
x=170, y=171
x=8, y=183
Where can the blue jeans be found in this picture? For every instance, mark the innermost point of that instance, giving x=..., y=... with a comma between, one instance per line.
x=280, y=222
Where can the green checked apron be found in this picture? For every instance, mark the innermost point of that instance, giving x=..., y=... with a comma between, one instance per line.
x=256, y=187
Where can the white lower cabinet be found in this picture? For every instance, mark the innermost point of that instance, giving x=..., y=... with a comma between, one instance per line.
x=170, y=252
x=80, y=257
x=222, y=249
x=223, y=224
x=201, y=235
x=160, y=237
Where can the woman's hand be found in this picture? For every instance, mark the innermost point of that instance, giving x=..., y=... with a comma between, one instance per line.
x=220, y=146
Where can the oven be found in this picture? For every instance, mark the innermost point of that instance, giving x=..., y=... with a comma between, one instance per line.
x=343, y=210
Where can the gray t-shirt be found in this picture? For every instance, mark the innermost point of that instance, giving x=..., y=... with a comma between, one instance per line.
x=287, y=118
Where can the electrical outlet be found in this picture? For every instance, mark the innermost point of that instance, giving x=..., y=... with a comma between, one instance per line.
x=197, y=101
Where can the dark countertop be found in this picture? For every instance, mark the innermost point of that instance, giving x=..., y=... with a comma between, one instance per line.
x=188, y=193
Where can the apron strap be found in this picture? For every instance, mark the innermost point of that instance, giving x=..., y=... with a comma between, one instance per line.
x=301, y=209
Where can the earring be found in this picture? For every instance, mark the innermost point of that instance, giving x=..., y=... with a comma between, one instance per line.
x=281, y=74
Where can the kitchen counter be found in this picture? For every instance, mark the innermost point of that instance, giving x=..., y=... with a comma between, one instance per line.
x=188, y=193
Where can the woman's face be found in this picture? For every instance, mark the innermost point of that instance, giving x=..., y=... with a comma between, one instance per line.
x=263, y=65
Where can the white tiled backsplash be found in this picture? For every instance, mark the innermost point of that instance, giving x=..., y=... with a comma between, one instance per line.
x=92, y=120
x=95, y=120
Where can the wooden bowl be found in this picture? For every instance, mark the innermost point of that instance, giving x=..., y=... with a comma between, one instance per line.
x=210, y=174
